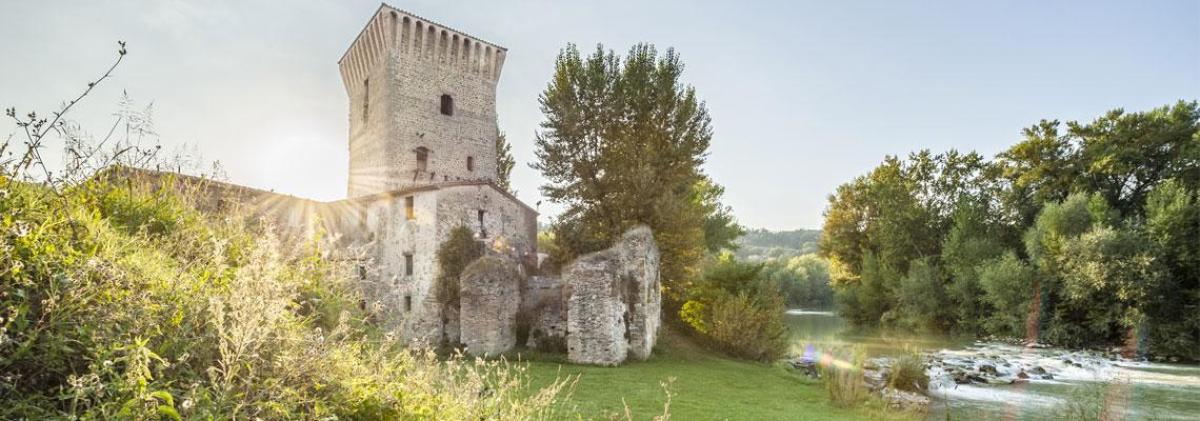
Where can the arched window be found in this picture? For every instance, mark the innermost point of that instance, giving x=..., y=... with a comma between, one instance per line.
x=470, y=163
x=447, y=104
x=422, y=158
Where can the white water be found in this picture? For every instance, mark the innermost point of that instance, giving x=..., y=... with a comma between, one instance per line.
x=1137, y=389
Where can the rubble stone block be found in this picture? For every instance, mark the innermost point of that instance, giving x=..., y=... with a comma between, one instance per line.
x=596, y=310
x=489, y=299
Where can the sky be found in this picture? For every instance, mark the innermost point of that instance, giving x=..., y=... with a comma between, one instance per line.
x=804, y=95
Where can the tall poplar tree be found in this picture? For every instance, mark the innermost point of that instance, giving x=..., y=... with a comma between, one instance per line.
x=622, y=144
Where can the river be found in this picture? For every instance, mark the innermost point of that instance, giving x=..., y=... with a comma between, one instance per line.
x=1078, y=380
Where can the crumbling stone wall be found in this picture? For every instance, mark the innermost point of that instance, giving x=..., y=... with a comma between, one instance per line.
x=640, y=258
x=489, y=299
x=596, y=310
x=545, y=313
x=614, y=304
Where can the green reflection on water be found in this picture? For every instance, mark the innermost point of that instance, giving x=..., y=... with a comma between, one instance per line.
x=827, y=333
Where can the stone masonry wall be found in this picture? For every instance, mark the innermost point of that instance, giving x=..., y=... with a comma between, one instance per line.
x=395, y=75
x=596, y=310
x=614, y=307
x=489, y=298
x=639, y=255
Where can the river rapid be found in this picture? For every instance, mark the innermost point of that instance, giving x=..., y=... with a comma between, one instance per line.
x=1024, y=383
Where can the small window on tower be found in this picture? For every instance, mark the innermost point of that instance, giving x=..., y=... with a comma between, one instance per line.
x=422, y=158
x=470, y=163
x=407, y=303
x=366, y=98
x=447, y=105
x=408, y=264
x=409, y=213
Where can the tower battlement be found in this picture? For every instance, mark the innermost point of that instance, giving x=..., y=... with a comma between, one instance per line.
x=422, y=102
x=394, y=31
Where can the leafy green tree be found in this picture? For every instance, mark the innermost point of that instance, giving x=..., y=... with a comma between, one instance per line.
x=721, y=230
x=621, y=144
x=1083, y=233
x=804, y=280
x=1009, y=286
x=922, y=301
x=1173, y=227
x=972, y=241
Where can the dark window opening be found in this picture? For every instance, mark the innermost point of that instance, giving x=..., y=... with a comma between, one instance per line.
x=409, y=212
x=366, y=98
x=447, y=105
x=362, y=272
x=422, y=158
x=470, y=163
x=482, y=230
x=407, y=303
x=408, y=264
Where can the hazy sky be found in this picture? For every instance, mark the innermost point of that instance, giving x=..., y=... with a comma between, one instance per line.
x=803, y=95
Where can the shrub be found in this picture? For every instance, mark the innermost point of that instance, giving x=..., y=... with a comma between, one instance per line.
x=908, y=373
x=454, y=255
x=122, y=302
x=737, y=312
x=749, y=327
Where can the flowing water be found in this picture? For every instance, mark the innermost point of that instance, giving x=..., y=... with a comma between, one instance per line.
x=1073, y=380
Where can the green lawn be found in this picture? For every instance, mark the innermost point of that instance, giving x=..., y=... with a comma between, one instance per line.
x=707, y=386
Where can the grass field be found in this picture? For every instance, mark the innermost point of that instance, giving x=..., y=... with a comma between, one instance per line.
x=706, y=386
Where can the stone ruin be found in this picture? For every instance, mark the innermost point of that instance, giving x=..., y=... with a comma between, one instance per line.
x=606, y=307
x=489, y=297
x=614, y=301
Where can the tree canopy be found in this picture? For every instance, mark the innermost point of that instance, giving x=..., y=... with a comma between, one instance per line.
x=622, y=144
x=1082, y=233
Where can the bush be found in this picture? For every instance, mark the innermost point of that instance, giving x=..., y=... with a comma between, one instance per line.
x=908, y=373
x=739, y=313
x=749, y=327
x=123, y=302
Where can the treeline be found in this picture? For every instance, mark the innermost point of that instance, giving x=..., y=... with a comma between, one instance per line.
x=789, y=260
x=1084, y=233
x=762, y=244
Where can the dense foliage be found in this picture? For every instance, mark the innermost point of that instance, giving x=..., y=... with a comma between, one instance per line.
x=1082, y=236
x=803, y=280
x=121, y=302
x=738, y=310
x=622, y=144
x=762, y=244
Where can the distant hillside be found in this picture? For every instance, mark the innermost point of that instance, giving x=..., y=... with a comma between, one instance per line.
x=761, y=244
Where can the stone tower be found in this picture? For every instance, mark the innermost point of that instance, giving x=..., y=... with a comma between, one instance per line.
x=422, y=104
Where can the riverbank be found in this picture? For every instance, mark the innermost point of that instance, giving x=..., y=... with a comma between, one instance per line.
x=985, y=379
x=706, y=386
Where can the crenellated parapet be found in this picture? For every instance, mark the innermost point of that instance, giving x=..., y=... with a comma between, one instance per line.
x=411, y=37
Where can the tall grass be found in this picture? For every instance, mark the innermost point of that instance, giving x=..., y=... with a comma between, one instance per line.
x=843, y=376
x=121, y=301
